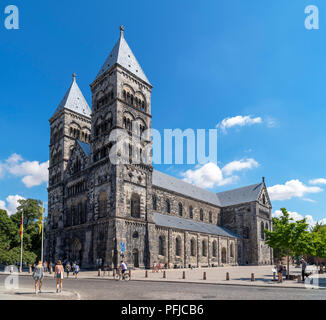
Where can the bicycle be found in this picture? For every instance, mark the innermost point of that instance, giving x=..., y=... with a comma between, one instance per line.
x=119, y=276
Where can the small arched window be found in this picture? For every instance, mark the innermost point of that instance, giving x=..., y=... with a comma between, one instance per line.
x=135, y=205
x=204, y=248
x=161, y=246
x=214, y=249
x=210, y=217
x=180, y=209
x=262, y=230
x=154, y=202
x=178, y=246
x=231, y=250
x=201, y=214
x=167, y=206
x=266, y=226
x=193, y=247
x=191, y=214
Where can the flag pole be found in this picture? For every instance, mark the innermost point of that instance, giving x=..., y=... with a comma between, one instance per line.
x=21, y=244
x=42, y=234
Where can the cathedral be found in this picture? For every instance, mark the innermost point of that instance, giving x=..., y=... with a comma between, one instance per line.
x=100, y=212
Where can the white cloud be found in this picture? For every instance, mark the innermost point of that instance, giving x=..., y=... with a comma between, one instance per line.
x=33, y=173
x=210, y=175
x=318, y=181
x=239, y=165
x=309, y=200
x=238, y=121
x=291, y=189
x=11, y=203
x=297, y=216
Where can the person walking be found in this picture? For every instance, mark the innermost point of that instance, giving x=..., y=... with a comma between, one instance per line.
x=38, y=275
x=76, y=270
x=58, y=274
x=303, y=269
x=45, y=265
x=68, y=269
x=279, y=268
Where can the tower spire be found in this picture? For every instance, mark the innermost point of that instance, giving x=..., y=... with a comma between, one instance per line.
x=122, y=30
x=74, y=75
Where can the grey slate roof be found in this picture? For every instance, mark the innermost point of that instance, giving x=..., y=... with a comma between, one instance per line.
x=167, y=182
x=168, y=221
x=122, y=55
x=240, y=195
x=85, y=146
x=75, y=101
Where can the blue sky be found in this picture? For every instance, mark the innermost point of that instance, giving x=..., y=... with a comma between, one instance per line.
x=207, y=60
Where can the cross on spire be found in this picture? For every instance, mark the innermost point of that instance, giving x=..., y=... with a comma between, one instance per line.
x=122, y=29
x=74, y=76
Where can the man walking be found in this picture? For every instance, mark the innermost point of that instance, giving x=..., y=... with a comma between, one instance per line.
x=304, y=266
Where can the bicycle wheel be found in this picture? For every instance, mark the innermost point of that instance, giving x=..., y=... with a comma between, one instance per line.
x=117, y=276
x=126, y=277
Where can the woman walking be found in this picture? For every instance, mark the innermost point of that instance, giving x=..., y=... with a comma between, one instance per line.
x=58, y=274
x=38, y=275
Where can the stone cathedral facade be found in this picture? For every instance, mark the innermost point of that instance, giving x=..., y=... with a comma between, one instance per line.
x=100, y=210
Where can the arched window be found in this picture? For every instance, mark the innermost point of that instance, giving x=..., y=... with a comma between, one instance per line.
x=167, y=206
x=204, y=248
x=161, y=246
x=214, y=249
x=223, y=255
x=102, y=204
x=264, y=199
x=154, y=202
x=178, y=246
x=201, y=215
x=210, y=217
x=180, y=209
x=135, y=205
x=193, y=247
x=266, y=226
x=262, y=233
x=191, y=214
x=231, y=250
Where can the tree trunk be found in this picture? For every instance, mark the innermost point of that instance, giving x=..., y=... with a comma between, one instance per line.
x=288, y=267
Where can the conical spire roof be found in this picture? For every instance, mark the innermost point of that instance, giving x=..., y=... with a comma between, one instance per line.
x=74, y=100
x=122, y=55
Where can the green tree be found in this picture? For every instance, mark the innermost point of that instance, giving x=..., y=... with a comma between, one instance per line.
x=290, y=237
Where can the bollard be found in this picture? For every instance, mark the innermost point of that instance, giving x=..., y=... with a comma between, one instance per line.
x=252, y=277
x=99, y=272
x=129, y=274
x=299, y=279
x=184, y=275
x=164, y=274
x=204, y=275
x=227, y=276
x=29, y=268
x=113, y=273
x=146, y=274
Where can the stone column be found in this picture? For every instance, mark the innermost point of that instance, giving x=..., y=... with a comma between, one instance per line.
x=185, y=253
x=198, y=250
x=209, y=251
x=218, y=251
x=228, y=251
x=169, y=248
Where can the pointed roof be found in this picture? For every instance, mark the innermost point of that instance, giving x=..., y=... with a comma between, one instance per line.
x=122, y=55
x=74, y=100
x=85, y=147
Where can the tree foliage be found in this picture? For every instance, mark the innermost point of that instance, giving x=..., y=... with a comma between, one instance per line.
x=10, y=237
